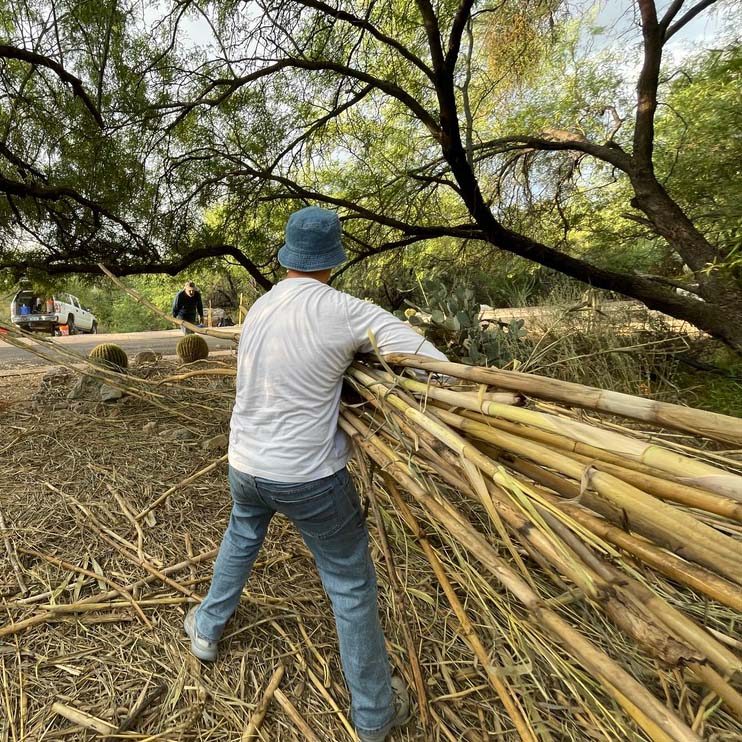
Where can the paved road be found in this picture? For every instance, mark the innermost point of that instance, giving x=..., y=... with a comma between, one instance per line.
x=160, y=341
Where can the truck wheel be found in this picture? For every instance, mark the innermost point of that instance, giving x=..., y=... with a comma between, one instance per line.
x=71, y=329
x=94, y=329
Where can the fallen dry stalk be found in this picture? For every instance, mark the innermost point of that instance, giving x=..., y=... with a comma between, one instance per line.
x=663, y=414
x=183, y=483
x=88, y=721
x=251, y=730
x=295, y=716
x=12, y=558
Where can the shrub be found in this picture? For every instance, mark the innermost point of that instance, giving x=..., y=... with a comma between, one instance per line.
x=451, y=321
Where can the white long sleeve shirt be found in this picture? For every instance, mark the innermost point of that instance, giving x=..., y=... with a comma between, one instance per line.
x=297, y=341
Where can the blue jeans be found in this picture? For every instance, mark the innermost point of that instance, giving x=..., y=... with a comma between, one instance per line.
x=192, y=320
x=328, y=514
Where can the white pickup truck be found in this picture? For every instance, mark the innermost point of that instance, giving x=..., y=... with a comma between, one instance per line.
x=35, y=313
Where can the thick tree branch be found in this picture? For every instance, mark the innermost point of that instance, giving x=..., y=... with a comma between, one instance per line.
x=670, y=13
x=366, y=25
x=23, y=55
x=689, y=16
x=23, y=167
x=39, y=192
x=646, y=87
x=433, y=32
x=62, y=265
x=559, y=140
x=457, y=30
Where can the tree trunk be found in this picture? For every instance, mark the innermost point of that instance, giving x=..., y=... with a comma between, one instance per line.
x=719, y=313
x=671, y=222
x=721, y=292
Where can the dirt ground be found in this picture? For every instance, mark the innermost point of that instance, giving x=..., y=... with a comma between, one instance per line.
x=73, y=476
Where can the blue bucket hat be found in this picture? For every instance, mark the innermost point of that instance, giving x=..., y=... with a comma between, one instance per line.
x=312, y=241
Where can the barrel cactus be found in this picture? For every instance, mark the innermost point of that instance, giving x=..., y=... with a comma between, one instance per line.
x=110, y=355
x=192, y=348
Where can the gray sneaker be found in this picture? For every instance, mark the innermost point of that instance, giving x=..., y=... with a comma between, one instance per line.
x=202, y=648
x=401, y=716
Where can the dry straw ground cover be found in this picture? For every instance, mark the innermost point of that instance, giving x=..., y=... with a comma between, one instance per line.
x=546, y=571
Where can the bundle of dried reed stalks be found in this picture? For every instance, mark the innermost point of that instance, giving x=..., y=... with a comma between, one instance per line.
x=613, y=520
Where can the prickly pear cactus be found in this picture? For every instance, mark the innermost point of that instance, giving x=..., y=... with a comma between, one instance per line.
x=110, y=355
x=192, y=348
x=450, y=319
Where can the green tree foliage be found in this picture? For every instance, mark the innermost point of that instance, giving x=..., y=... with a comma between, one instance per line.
x=698, y=145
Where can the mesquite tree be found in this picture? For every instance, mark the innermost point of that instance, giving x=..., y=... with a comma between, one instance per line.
x=124, y=144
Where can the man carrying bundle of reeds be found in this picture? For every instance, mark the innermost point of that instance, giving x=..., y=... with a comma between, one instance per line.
x=287, y=455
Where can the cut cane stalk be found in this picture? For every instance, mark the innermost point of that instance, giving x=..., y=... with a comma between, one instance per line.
x=662, y=414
